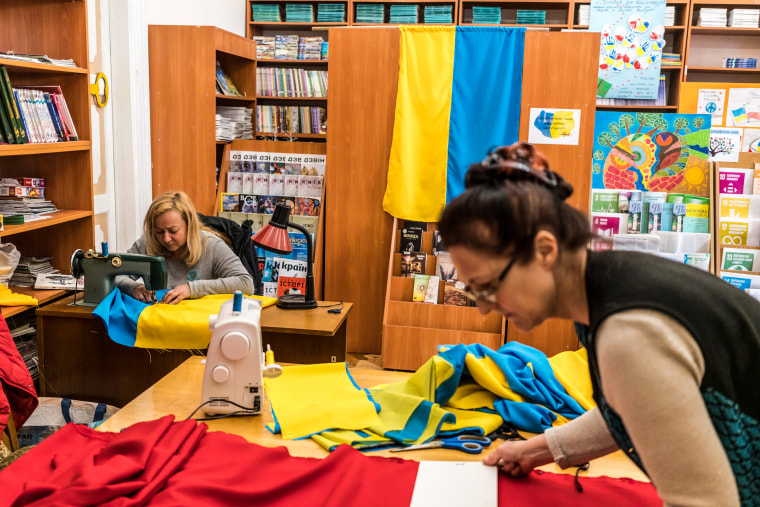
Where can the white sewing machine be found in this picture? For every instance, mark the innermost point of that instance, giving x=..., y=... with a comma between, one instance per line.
x=235, y=364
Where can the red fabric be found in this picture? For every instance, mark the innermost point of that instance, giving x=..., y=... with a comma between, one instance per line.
x=161, y=463
x=18, y=394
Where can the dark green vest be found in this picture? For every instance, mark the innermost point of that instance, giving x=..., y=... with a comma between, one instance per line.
x=724, y=321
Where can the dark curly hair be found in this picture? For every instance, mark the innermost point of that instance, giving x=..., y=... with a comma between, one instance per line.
x=509, y=197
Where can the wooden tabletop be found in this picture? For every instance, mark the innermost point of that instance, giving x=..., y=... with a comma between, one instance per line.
x=316, y=321
x=179, y=393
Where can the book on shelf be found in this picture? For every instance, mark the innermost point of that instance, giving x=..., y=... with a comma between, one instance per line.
x=224, y=84
x=420, y=287
x=444, y=267
x=291, y=276
x=453, y=294
x=44, y=59
x=413, y=263
x=411, y=239
x=47, y=281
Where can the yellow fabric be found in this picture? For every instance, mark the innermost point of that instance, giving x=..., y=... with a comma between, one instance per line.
x=10, y=298
x=416, y=188
x=471, y=396
x=571, y=369
x=397, y=409
x=311, y=398
x=328, y=440
x=489, y=376
x=184, y=325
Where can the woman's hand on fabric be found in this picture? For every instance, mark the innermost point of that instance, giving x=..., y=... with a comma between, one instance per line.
x=140, y=293
x=517, y=458
x=177, y=294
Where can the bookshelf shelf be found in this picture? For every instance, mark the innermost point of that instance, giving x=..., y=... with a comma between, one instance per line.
x=285, y=24
x=40, y=148
x=42, y=297
x=57, y=29
x=39, y=67
x=294, y=99
x=637, y=108
x=287, y=135
x=272, y=63
x=59, y=217
x=723, y=70
x=235, y=98
x=701, y=30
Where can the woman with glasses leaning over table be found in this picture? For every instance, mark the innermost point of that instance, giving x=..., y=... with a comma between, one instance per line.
x=673, y=351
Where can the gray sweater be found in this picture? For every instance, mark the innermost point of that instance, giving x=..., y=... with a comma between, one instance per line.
x=219, y=271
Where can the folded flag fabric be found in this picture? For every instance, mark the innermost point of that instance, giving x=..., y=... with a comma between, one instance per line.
x=10, y=298
x=445, y=119
x=311, y=398
x=133, y=323
x=473, y=389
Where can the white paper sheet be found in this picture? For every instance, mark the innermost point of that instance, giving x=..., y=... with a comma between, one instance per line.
x=455, y=483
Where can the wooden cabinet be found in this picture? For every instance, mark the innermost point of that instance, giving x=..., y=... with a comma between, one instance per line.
x=706, y=46
x=183, y=100
x=58, y=29
x=413, y=331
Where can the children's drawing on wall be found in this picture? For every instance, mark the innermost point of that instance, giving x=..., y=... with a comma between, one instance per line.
x=651, y=152
x=711, y=101
x=633, y=36
x=751, y=140
x=554, y=126
x=743, y=107
x=725, y=144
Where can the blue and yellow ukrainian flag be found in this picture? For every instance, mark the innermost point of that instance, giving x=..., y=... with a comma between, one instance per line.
x=458, y=96
x=185, y=325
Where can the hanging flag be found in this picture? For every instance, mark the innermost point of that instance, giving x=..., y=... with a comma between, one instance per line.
x=458, y=97
x=133, y=323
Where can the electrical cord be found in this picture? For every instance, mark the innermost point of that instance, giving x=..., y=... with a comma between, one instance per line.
x=584, y=467
x=245, y=411
x=328, y=306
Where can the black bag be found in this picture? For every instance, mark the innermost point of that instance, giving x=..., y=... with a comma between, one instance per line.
x=240, y=238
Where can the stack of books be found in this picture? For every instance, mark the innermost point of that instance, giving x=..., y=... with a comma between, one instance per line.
x=744, y=18
x=441, y=14
x=331, y=13
x=670, y=60
x=265, y=13
x=529, y=17
x=739, y=63
x=299, y=13
x=404, y=14
x=240, y=121
x=28, y=268
x=310, y=48
x=584, y=11
x=670, y=15
x=25, y=339
x=712, y=17
x=264, y=47
x=223, y=128
x=369, y=13
x=38, y=59
x=486, y=15
x=286, y=47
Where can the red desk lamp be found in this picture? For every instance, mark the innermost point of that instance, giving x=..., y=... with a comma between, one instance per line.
x=274, y=238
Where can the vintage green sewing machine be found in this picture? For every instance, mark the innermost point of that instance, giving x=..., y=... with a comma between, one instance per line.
x=100, y=272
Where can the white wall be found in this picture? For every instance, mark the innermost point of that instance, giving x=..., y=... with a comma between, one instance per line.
x=226, y=14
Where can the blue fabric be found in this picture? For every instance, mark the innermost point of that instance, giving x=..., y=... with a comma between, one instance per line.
x=496, y=119
x=120, y=314
x=528, y=374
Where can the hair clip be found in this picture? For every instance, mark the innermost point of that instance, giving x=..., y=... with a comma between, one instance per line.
x=495, y=161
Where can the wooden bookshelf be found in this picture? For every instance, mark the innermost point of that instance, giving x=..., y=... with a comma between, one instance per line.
x=60, y=32
x=706, y=46
x=183, y=100
x=412, y=332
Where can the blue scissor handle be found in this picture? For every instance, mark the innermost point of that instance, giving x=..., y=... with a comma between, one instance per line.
x=471, y=444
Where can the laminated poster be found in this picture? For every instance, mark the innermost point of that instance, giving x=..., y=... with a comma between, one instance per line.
x=630, y=50
x=712, y=101
x=743, y=107
x=751, y=140
x=554, y=126
x=660, y=152
x=725, y=144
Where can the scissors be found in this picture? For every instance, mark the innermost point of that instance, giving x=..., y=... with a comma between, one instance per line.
x=471, y=444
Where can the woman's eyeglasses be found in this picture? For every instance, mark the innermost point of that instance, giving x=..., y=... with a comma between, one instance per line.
x=488, y=295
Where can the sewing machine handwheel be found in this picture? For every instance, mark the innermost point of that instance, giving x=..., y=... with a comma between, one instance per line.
x=76, y=270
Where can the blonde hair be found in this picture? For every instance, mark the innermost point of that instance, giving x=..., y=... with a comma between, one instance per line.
x=181, y=203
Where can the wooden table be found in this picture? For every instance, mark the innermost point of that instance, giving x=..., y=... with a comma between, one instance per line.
x=78, y=360
x=179, y=393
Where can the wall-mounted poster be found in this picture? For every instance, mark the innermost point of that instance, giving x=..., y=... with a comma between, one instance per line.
x=554, y=126
x=725, y=144
x=743, y=107
x=663, y=152
x=751, y=140
x=631, y=46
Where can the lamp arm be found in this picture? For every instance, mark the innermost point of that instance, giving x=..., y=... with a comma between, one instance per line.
x=309, y=260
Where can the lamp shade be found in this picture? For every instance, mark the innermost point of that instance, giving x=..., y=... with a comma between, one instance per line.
x=274, y=239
